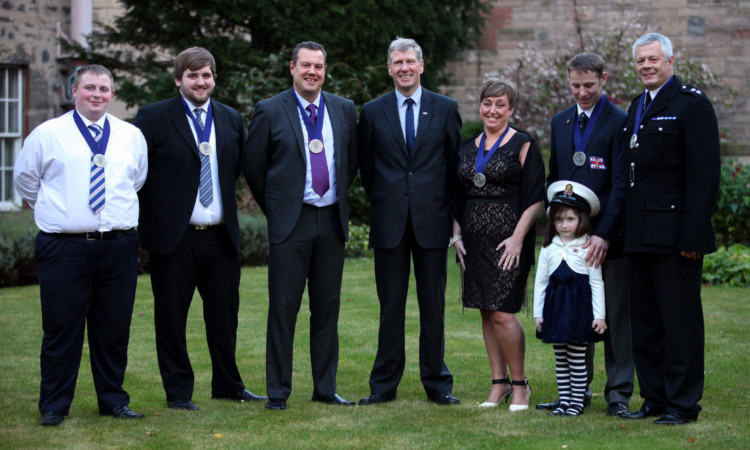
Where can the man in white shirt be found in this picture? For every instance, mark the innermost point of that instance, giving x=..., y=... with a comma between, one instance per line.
x=81, y=173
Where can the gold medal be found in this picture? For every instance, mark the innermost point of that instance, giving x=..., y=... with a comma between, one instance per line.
x=206, y=148
x=479, y=180
x=316, y=146
x=100, y=160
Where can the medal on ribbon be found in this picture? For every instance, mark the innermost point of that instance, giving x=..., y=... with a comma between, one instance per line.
x=581, y=140
x=483, y=156
x=98, y=149
x=640, y=113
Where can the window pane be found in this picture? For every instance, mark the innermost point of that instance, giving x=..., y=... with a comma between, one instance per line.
x=13, y=88
x=3, y=76
x=13, y=125
x=8, y=146
x=8, y=185
x=3, y=122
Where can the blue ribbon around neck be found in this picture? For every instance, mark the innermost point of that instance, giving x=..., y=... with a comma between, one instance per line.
x=315, y=132
x=641, y=111
x=97, y=148
x=204, y=135
x=482, y=156
x=581, y=141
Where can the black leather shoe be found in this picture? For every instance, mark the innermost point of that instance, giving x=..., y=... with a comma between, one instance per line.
x=182, y=404
x=617, y=408
x=122, y=412
x=333, y=399
x=276, y=404
x=242, y=396
x=51, y=419
x=549, y=406
x=374, y=399
x=645, y=411
x=445, y=399
x=587, y=397
x=675, y=418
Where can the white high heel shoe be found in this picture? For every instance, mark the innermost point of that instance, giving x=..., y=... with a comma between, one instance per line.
x=516, y=408
x=505, y=396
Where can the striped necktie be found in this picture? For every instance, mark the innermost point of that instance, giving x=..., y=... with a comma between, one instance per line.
x=96, y=185
x=206, y=188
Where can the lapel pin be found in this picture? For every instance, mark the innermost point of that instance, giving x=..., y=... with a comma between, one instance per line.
x=567, y=121
x=424, y=113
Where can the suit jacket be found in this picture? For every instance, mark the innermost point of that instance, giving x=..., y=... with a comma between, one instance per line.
x=675, y=173
x=168, y=197
x=400, y=187
x=276, y=166
x=608, y=177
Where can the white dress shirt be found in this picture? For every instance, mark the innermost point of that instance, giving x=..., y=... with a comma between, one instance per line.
x=213, y=214
x=53, y=172
x=331, y=195
x=402, y=106
x=573, y=254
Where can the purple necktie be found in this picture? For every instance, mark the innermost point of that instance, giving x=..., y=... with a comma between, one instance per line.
x=318, y=164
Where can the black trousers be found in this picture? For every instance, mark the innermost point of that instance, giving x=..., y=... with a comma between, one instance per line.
x=668, y=336
x=313, y=254
x=207, y=260
x=85, y=283
x=392, y=269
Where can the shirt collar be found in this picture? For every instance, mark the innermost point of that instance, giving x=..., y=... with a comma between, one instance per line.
x=192, y=106
x=305, y=103
x=87, y=122
x=416, y=96
x=587, y=111
x=656, y=91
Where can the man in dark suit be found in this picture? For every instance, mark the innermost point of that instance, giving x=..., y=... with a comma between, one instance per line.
x=408, y=142
x=586, y=147
x=189, y=226
x=301, y=160
x=673, y=155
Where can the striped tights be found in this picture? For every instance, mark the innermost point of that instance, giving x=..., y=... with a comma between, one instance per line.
x=570, y=362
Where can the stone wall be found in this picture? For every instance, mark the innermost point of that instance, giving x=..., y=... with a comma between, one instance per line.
x=28, y=38
x=714, y=32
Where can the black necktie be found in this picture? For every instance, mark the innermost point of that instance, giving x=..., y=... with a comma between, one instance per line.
x=648, y=100
x=583, y=119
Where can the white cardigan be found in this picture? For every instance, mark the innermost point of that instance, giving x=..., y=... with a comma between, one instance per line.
x=550, y=258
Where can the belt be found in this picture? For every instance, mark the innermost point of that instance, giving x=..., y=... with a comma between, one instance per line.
x=192, y=227
x=93, y=235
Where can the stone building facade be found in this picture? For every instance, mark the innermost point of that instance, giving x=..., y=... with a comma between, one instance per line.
x=713, y=32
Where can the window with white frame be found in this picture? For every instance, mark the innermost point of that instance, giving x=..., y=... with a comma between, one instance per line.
x=11, y=129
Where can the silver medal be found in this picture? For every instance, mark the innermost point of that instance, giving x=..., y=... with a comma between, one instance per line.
x=316, y=146
x=100, y=160
x=479, y=180
x=206, y=148
x=633, y=140
x=579, y=158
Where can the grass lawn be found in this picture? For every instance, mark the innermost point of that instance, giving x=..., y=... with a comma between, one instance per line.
x=411, y=421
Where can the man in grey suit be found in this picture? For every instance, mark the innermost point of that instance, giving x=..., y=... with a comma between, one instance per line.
x=301, y=160
x=408, y=142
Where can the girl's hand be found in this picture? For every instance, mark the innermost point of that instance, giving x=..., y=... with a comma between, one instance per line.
x=538, y=322
x=512, y=255
x=460, y=252
x=599, y=326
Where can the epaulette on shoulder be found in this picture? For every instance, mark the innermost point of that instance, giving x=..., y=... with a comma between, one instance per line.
x=688, y=89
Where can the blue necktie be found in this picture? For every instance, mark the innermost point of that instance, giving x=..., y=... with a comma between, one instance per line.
x=206, y=188
x=409, y=125
x=583, y=119
x=96, y=185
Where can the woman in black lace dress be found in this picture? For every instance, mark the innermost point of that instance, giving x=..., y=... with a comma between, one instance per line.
x=501, y=182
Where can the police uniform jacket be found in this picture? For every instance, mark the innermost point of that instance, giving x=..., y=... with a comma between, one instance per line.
x=674, y=173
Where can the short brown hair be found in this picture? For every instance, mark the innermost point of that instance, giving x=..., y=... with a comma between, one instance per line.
x=584, y=222
x=308, y=45
x=96, y=69
x=193, y=58
x=587, y=62
x=495, y=87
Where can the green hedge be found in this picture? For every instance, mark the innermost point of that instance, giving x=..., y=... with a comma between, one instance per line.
x=18, y=232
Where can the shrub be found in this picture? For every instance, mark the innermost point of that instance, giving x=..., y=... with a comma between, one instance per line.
x=17, y=234
x=359, y=236
x=728, y=266
x=731, y=220
x=253, y=240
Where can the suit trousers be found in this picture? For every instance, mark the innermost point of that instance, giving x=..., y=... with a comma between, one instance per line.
x=207, y=260
x=85, y=283
x=668, y=335
x=392, y=269
x=313, y=254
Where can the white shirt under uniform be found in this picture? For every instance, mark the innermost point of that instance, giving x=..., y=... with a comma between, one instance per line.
x=53, y=173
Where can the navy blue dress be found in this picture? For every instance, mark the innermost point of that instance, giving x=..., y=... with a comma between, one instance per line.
x=568, y=312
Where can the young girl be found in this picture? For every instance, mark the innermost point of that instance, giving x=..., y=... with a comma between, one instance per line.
x=569, y=293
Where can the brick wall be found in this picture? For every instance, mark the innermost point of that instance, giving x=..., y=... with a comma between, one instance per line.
x=714, y=32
